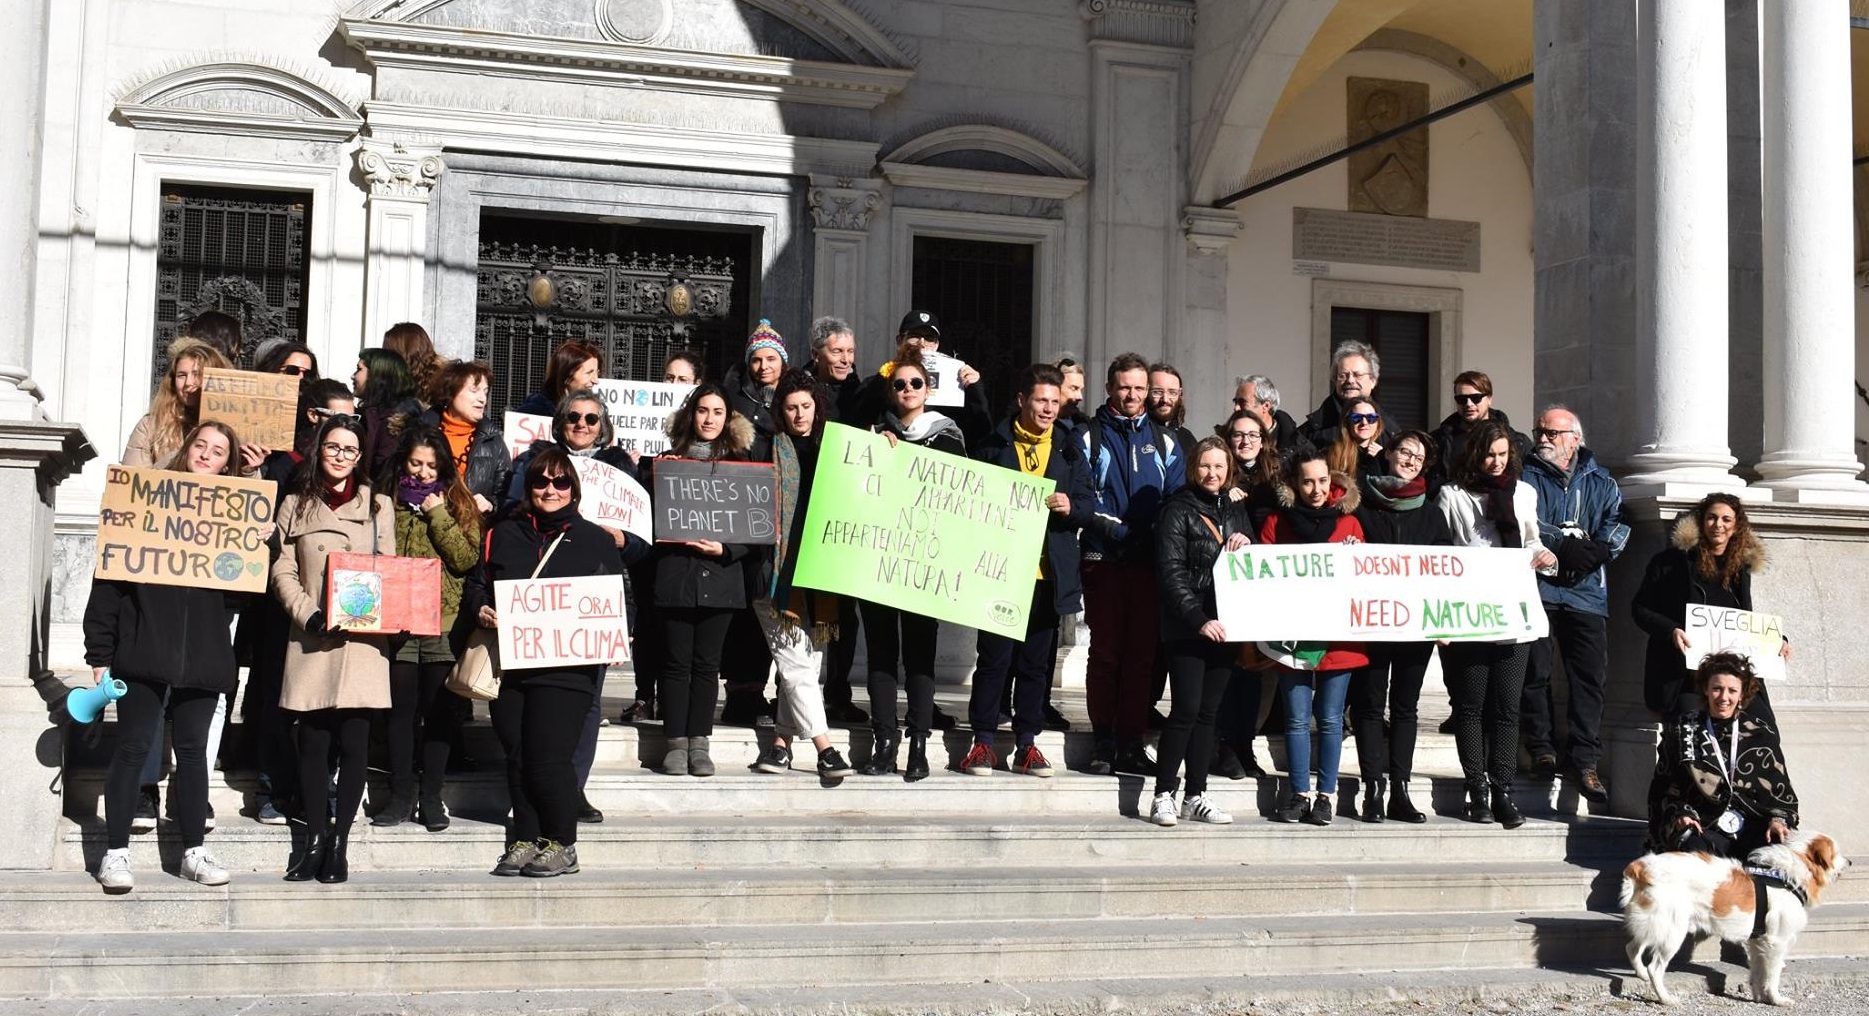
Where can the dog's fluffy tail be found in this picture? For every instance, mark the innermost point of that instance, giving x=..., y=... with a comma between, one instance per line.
x=1634, y=881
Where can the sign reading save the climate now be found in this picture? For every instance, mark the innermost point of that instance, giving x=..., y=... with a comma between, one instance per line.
x=1367, y=592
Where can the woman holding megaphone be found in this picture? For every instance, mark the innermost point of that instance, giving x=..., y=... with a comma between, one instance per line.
x=170, y=647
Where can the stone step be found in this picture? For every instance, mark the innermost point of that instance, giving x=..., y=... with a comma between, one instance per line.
x=650, y=842
x=166, y=963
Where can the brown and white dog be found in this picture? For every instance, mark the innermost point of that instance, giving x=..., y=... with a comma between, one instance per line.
x=1666, y=897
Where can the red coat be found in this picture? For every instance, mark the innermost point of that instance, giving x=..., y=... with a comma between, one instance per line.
x=1340, y=655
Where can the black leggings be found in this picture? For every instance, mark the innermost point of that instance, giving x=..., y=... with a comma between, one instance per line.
x=1198, y=672
x=139, y=717
x=538, y=729
x=420, y=708
x=888, y=635
x=1485, y=680
x=693, y=640
x=1391, y=683
x=319, y=729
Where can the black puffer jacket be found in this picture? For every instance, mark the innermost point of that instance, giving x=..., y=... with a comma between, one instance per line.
x=685, y=577
x=1671, y=582
x=753, y=402
x=173, y=635
x=1185, y=552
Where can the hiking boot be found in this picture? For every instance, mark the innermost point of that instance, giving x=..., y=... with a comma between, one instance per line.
x=518, y=854
x=773, y=758
x=200, y=866
x=980, y=760
x=553, y=859
x=1030, y=761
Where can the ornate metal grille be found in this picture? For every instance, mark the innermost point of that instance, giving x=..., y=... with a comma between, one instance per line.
x=635, y=305
x=241, y=252
x=982, y=293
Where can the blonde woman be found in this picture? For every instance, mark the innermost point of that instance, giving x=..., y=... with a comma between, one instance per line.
x=175, y=407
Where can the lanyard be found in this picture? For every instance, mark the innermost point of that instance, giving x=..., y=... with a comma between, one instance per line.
x=1728, y=762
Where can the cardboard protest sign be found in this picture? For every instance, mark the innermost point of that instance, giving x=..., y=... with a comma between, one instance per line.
x=262, y=409
x=524, y=428
x=184, y=529
x=639, y=409
x=944, y=379
x=561, y=622
x=937, y=534
x=732, y=502
x=1760, y=637
x=367, y=593
x=612, y=498
x=1371, y=592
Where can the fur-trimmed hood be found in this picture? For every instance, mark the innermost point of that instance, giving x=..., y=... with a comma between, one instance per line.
x=1686, y=538
x=1343, y=485
x=739, y=432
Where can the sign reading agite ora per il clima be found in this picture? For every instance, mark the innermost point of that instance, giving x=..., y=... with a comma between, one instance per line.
x=184, y=529
x=937, y=534
x=1367, y=592
x=729, y=502
x=567, y=622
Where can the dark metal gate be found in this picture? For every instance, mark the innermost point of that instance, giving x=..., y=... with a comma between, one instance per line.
x=240, y=252
x=982, y=292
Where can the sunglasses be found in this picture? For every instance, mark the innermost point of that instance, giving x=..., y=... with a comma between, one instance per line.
x=903, y=384
x=1468, y=398
x=590, y=419
x=559, y=482
x=294, y=370
x=1538, y=432
x=1357, y=419
x=332, y=414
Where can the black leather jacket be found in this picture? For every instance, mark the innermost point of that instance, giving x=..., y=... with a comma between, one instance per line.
x=1185, y=552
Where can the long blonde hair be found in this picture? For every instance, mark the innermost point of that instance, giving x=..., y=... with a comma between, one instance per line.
x=170, y=420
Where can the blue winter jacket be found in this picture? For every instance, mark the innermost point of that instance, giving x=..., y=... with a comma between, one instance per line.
x=1134, y=467
x=1585, y=501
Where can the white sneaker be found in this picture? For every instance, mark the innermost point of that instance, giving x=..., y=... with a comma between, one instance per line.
x=1162, y=812
x=199, y=866
x=113, y=873
x=1197, y=808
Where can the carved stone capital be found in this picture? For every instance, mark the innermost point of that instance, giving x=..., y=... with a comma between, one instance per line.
x=399, y=170
x=844, y=204
x=1154, y=22
x=1210, y=231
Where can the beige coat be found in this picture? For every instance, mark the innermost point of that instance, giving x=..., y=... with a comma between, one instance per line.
x=324, y=672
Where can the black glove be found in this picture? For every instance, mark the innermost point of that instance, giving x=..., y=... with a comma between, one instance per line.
x=314, y=625
x=1578, y=558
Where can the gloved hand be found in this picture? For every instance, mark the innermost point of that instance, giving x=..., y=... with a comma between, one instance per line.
x=1578, y=558
x=314, y=625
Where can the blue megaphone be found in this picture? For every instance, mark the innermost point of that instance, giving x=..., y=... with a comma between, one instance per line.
x=87, y=704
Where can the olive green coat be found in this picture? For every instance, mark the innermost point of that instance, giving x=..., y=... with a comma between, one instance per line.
x=435, y=534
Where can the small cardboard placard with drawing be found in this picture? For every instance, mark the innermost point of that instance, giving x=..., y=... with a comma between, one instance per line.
x=1759, y=637
x=383, y=594
x=184, y=529
x=261, y=408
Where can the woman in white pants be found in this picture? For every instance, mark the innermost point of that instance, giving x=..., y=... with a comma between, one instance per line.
x=797, y=622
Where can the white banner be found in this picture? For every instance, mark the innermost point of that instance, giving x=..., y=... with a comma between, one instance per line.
x=1370, y=592
x=1760, y=637
x=639, y=409
x=524, y=428
x=561, y=622
x=612, y=498
x=944, y=379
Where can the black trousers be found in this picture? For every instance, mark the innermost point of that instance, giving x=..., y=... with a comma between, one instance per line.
x=745, y=659
x=585, y=755
x=1391, y=684
x=1486, y=681
x=648, y=651
x=1026, y=664
x=538, y=729
x=139, y=717
x=420, y=712
x=693, y=638
x=320, y=731
x=1198, y=672
x=1238, y=722
x=268, y=726
x=840, y=656
x=1581, y=639
x=892, y=635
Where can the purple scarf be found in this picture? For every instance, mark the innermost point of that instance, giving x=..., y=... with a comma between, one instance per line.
x=413, y=492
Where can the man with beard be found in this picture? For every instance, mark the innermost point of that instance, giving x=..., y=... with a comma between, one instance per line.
x=1473, y=405
x=1354, y=370
x=1168, y=410
x=1579, y=520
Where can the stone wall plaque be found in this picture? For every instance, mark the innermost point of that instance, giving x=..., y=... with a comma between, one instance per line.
x=1445, y=245
x=1391, y=178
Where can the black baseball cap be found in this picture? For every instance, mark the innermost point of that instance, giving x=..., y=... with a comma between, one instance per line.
x=919, y=321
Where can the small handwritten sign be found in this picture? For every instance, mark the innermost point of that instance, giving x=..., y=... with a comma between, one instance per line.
x=730, y=502
x=261, y=408
x=524, y=428
x=612, y=498
x=184, y=529
x=639, y=410
x=1759, y=637
x=568, y=622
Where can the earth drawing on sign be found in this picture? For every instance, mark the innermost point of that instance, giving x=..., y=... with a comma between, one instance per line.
x=359, y=600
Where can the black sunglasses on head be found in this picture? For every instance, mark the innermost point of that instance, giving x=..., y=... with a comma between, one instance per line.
x=903, y=384
x=559, y=482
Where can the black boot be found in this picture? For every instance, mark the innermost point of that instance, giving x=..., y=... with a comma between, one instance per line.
x=432, y=813
x=1401, y=808
x=1504, y=810
x=1479, y=809
x=1373, y=810
x=400, y=809
x=336, y=863
x=308, y=855
x=918, y=759
x=883, y=755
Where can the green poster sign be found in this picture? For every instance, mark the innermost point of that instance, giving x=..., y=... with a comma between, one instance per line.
x=923, y=531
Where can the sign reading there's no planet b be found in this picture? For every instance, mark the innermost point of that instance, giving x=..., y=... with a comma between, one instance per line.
x=184, y=529
x=728, y=502
x=924, y=531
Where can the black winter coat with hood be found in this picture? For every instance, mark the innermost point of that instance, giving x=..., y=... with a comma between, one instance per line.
x=1671, y=582
x=685, y=577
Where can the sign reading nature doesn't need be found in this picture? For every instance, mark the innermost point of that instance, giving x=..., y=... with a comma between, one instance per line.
x=261, y=408
x=184, y=529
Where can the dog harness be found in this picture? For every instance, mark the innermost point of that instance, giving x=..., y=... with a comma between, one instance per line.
x=1766, y=878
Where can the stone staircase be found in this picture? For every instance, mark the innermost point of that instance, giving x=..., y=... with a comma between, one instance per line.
x=747, y=882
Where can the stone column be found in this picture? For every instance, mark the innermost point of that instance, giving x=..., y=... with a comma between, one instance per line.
x=1203, y=356
x=1681, y=250
x=841, y=212
x=1810, y=347
x=401, y=178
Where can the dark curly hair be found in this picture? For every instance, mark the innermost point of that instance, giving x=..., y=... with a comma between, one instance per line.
x=1734, y=665
x=798, y=380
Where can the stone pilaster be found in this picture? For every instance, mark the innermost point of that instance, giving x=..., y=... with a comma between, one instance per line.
x=842, y=211
x=1207, y=385
x=401, y=177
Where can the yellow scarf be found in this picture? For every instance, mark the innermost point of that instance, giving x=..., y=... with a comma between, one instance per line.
x=1034, y=453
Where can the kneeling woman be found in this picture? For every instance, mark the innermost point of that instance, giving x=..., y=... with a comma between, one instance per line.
x=540, y=711
x=1720, y=783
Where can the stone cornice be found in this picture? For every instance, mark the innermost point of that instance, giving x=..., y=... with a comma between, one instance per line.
x=1150, y=22
x=980, y=181
x=391, y=44
x=1210, y=231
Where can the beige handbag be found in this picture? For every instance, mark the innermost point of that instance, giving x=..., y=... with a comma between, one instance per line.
x=476, y=675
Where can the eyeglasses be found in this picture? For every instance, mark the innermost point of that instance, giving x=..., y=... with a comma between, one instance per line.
x=1246, y=437
x=1164, y=393
x=559, y=482
x=1405, y=455
x=1359, y=419
x=590, y=419
x=1469, y=398
x=294, y=370
x=340, y=452
x=1544, y=432
x=903, y=384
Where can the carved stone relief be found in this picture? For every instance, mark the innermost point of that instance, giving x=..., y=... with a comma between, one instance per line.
x=1390, y=178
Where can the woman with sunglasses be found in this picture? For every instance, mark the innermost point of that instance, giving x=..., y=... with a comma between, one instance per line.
x=699, y=586
x=1358, y=448
x=283, y=356
x=541, y=711
x=332, y=681
x=892, y=635
x=459, y=409
x=1245, y=706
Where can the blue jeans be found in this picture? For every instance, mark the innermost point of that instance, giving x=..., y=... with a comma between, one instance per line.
x=1304, y=692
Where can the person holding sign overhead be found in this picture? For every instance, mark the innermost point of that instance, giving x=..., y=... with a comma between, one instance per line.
x=1487, y=505
x=169, y=645
x=541, y=710
x=1710, y=560
x=332, y=681
x=459, y=410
